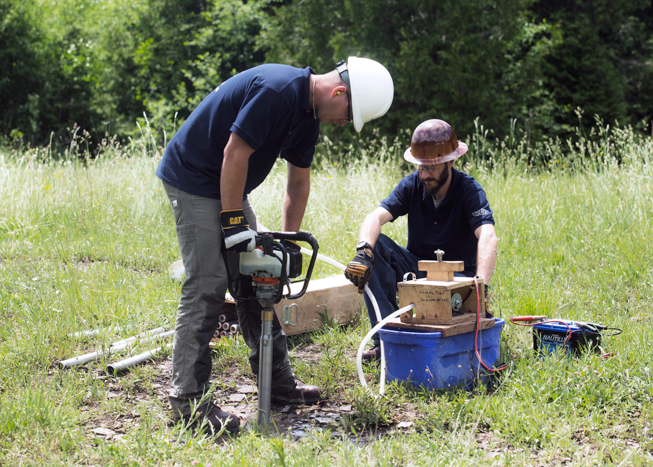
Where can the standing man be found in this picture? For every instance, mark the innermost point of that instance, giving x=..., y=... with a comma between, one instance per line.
x=447, y=210
x=222, y=152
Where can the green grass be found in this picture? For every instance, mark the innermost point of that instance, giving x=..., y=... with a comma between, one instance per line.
x=86, y=245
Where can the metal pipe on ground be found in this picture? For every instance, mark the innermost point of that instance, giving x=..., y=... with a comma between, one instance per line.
x=135, y=360
x=116, y=347
x=140, y=358
x=152, y=336
x=234, y=328
x=228, y=317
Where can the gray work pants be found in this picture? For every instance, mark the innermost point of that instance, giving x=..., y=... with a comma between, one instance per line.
x=202, y=296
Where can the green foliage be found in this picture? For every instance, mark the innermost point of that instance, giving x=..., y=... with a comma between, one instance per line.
x=453, y=60
x=45, y=82
x=187, y=49
x=19, y=61
x=532, y=61
x=369, y=411
x=103, y=64
x=602, y=62
x=510, y=67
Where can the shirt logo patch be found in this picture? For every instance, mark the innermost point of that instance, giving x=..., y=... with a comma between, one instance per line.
x=481, y=212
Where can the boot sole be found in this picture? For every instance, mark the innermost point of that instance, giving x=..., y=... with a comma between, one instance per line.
x=287, y=400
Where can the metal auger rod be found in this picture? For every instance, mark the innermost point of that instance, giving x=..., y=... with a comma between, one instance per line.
x=265, y=367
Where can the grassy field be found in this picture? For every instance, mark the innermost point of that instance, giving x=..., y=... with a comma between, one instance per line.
x=86, y=245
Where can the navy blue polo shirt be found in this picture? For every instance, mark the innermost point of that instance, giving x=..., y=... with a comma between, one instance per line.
x=449, y=228
x=268, y=106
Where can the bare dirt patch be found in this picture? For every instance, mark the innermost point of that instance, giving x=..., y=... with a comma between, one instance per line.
x=236, y=394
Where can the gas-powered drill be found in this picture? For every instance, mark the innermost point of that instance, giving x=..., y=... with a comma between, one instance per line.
x=270, y=267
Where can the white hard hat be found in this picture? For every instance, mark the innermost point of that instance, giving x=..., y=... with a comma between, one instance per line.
x=371, y=88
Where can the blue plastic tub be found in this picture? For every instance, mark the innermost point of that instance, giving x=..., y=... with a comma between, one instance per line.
x=427, y=359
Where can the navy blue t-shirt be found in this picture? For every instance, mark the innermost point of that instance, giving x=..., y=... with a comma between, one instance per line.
x=268, y=106
x=451, y=226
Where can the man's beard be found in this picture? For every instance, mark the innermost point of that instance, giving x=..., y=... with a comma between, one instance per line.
x=436, y=184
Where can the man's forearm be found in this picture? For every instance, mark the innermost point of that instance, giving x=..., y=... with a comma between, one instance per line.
x=298, y=188
x=485, y=266
x=294, y=206
x=486, y=258
x=371, y=226
x=370, y=231
x=232, y=183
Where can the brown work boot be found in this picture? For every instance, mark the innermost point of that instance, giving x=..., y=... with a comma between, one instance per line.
x=215, y=418
x=294, y=391
x=373, y=355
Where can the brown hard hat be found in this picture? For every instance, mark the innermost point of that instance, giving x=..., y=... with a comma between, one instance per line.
x=434, y=142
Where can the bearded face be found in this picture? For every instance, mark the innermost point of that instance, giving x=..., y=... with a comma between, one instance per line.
x=434, y=178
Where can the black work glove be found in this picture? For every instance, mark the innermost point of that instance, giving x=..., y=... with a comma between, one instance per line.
x=359, y=269
x=238, y=236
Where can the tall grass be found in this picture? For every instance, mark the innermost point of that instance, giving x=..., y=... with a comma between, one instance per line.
x=85, y=243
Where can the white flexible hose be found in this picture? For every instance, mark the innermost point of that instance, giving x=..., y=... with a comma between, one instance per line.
x=326, y=259
x=380, y=323
x=377, y=313
x=359, y=357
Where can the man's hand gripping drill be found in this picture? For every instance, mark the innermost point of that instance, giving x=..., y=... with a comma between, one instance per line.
x=238, y=236
x=359, y=269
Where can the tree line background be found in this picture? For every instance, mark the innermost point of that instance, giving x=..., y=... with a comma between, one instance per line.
x=527, y=64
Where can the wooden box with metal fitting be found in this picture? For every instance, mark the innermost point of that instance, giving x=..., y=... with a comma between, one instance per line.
x=333, y=298
x=334, y=295
x=441, y=298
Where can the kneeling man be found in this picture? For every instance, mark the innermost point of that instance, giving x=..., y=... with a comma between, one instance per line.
x=447, y=210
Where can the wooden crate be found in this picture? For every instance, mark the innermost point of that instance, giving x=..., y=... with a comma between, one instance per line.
x=335, y=296
x=432, y=296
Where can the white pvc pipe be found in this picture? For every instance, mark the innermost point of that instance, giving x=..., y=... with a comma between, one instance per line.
x=151, y=337
x=115, y=347
x=136, y=359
